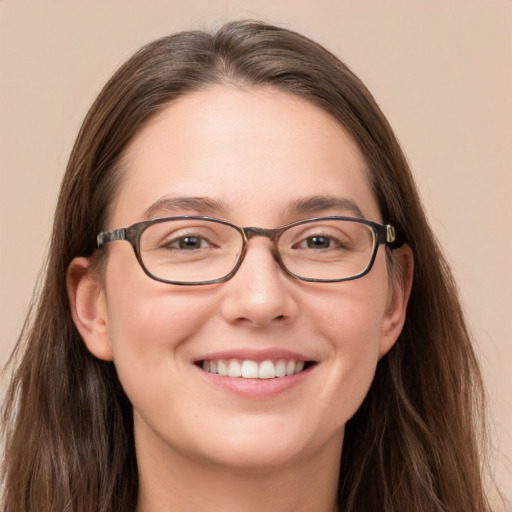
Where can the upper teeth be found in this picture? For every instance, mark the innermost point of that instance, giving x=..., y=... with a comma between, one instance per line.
x=248, y=369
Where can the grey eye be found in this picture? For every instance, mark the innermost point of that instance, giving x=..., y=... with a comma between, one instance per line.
x=318, y=242
x=188, y=243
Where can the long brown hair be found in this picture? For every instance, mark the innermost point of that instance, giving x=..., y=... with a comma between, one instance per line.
x=414, y=442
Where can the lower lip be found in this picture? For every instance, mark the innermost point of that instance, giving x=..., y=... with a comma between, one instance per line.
x=256, y=389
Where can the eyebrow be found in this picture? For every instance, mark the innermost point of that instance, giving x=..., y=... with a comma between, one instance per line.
x=198, y=205
x=316, y=204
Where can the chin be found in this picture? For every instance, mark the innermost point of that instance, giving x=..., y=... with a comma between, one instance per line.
x=258, y=458
x=264, y=448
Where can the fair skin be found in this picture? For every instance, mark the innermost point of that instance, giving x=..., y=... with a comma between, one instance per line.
x=200, y=445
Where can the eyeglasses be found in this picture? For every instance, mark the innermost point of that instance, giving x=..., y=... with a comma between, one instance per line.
x=196, y=250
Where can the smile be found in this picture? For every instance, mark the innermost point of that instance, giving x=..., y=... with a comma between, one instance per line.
x=249, y=369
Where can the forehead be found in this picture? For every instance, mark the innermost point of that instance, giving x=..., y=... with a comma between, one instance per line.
x=253, y=150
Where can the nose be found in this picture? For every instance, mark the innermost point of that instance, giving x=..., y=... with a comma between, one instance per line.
x=260, y=293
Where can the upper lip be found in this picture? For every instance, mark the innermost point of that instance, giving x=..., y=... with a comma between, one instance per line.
x=255, y=355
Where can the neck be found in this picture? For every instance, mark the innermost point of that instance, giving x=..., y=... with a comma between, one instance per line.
x=172, y=482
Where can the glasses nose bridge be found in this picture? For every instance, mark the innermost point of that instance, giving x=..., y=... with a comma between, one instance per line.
x=271, y=234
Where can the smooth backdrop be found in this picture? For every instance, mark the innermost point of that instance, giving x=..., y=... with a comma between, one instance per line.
x=441, y=71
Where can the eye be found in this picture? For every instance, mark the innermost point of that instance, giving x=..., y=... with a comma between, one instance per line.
x=321, y=242
x=317, y=242
x=185, y=237
x=188, y=242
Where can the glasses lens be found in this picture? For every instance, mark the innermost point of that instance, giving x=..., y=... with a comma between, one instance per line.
x=327, y=249
x=190, y=250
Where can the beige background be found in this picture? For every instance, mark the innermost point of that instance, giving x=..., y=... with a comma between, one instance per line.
x=441, y=71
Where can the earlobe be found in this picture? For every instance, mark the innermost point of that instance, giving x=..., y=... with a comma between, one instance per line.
x=400, y=291
x=88, y=308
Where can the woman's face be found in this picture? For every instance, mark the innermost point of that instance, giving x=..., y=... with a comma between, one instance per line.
x=256, y=158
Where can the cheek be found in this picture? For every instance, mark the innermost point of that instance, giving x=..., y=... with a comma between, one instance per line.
x=350, y=320
x=350, y=314
x=149, y=322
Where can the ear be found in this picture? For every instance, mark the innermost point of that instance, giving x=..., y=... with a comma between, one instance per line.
x=399, y=293
x=88, y=308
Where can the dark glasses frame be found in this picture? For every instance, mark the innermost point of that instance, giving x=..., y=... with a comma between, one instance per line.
x=384, y=234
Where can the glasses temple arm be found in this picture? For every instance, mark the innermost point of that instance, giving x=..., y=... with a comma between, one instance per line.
x=110, y=236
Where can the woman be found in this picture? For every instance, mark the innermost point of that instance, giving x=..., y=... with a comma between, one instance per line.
x=180, y=360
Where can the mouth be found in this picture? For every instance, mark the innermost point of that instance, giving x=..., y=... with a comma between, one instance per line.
x=250, y=369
